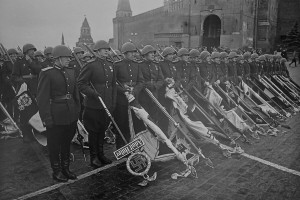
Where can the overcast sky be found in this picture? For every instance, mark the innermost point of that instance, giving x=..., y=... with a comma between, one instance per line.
x=42, y=22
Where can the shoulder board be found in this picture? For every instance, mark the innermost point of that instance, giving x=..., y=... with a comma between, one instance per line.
x=118, y=61
x=47, y=68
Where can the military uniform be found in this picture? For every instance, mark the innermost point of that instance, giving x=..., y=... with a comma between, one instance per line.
x=129, y=75
x=47, y=63
x=207, y=72
x=58, y=102
x=76, y=67
x=196, y=69
x=186, y=73
x=246, y=67
x=240, y=70
x=232, y=72
x=97, y=79
x=169, y=70
x=253, y=69
x=154, y=80
x=26, y=71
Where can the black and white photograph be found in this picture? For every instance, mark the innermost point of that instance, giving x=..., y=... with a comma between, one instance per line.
x=150, y=100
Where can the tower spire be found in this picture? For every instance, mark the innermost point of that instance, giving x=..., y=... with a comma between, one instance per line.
x=124, y=9
x=62, y=39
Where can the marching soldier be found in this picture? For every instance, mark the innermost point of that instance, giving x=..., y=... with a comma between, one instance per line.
x=277, y=64
x=220, y=76
x=253, y=66
x=167, y=66
x=232, y=67
x=206, y=69
x=261, y=65
x=97, y=79
x=185, y=69
x=39, y=57
x=247, y=58
x=59, y=106
x=130, y=76
x=153, y=78
x=26, y=70
x=48, y=62
x=195, y=62
x=79, y=53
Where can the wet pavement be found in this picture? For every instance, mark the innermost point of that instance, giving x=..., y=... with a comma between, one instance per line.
x=25, y=169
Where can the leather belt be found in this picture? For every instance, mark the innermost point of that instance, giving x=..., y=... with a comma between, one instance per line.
x=62, y=97
x=29, y=76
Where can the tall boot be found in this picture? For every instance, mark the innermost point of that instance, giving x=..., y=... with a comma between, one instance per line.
x=93, y=145
x=65, y=164
x=104, y=160
x=57, y=173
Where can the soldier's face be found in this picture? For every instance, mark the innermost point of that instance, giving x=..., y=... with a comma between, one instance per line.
x=49, y=55
x=234, y=59
x=170, y=57
x=103, y=52
x=129, y=55
x=13, y=56
x=39, y=58
x=242, y=61
x=185, y=58
x=30, y=53
x=208, y=59
x=79, y=55
x=64, y=61
x=150, y=56
x=217, y=60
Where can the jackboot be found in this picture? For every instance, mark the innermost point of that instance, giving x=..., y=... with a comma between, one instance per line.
x=65, y=164
x=57, y=173
x=104, y=160
x=95, y=162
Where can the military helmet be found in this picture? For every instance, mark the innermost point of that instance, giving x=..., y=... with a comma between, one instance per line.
x=27, y=47
x=48, y=50
x=12, y=51
x=215, y=55
x=194, y=53
x=254, y=56
x=182, y=52
x=247, y=55
x=167, y=51
x=38, y=53
x=223, y=55
x=61, y=51
x=78, y=50
x=204, y=54
x=262, y=58
x=232, y=54
x=101, y=44
x=239, y=58
x=148, y=49
x=128, y=47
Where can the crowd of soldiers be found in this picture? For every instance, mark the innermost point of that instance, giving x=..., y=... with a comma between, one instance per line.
x=68, y=89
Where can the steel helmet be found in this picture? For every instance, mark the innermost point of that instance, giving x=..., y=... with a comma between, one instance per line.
x=101, y=44
x=148, y=49
x=12, y=51
x=48, y=50
x=215, y=55
x=38, y=53
x=194, y=53
x=239, y=58
x=247, y=55
x=232, y=54
x=27, y=47
x=204, y=54
x=61, y=51
x=223, y=55
x=182, y=52
x=78, y=50
x=128, y=47
x=167, y=51
x=254, y=56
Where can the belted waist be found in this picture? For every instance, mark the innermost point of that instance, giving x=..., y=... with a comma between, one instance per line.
x=62, y=97
x=29, y=76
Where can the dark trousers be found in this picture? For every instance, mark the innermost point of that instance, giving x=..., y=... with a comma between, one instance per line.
x=122, y=120
x=59, y=138
x=96, y=122
x=293, y=61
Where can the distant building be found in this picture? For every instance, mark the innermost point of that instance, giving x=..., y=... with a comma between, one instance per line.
x=196, y=23
x=85, y=35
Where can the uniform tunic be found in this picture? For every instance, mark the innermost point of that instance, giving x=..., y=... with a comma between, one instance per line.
x=186, y=73
x=232, y=72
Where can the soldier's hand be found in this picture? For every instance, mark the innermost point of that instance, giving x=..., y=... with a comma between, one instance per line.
x=206, y=83
x=218, y=82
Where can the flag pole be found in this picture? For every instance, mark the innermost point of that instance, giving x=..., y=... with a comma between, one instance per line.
x=11, y=119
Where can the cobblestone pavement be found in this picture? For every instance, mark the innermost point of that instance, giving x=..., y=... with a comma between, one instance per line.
x=25, y=168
